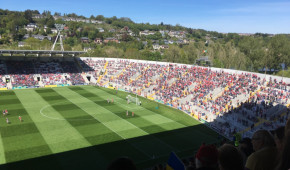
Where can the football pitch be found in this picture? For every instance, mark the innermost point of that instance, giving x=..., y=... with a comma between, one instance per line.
x=76, y=128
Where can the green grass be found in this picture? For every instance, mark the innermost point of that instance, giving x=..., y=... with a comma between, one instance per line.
x=75, y=128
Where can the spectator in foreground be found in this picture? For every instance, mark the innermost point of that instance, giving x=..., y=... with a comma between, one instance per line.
x=206, y=158
x=284, y=163
x=279, y=137
x=265, y=155
x=230, y=158
x=123, y=163
x=246, y=148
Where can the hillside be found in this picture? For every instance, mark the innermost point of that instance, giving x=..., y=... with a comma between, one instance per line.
x=123, y=38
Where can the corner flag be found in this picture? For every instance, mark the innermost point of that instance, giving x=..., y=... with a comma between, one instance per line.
x=174, y=163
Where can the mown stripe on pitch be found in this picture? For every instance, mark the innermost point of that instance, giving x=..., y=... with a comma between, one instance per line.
x=121, y=112
x=90, y=108
x=115, y=107
x=53, y=131
x=165, y=111
x=165, y=125
x=96, y=111
x=27, y=152
x=78, y=118
x=19, y=131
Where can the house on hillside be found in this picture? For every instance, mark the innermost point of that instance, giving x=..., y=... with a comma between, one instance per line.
x=85, y=40
x=66, y=28
x=96, y=22
x=101, y=30
x=180, y=41
x=144, y=43
x=21, y=44
x=164, y=47
x=31, y=27
x=37, y=16
x=86, y=49
x=170, y=41
x=26, y=36
x=146, y=32
x=156, y=46
x=54, y=30
x=163, y=32
x=57, y=17
x=98, y=41
x=177, y=34
x=112, y=30
x=111, y=39
x=41, y=37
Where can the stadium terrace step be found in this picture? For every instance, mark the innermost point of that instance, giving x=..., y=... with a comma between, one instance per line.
x=171, y=81
x=217, y=93
x=154, y=78
x=192, y=86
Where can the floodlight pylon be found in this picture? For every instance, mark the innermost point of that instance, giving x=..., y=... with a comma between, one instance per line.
x=59, y=28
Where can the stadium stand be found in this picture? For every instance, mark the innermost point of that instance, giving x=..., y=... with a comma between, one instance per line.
x=228, y=101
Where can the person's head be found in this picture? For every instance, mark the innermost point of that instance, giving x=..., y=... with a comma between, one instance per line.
x=284, y=162
x=121, y=164
x=287, y=126
x=246, y=146
x=207, y=156
x=261, y=139
x=279, y=134
x=230, y=158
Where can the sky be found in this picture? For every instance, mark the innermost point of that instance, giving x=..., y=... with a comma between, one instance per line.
x=235, y=16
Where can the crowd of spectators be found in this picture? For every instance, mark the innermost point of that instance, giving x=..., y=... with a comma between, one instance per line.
x=238, y=100
x=229, y=102
x=34, y=73
x=201, y=91
x=265, y=150
x=2, y=82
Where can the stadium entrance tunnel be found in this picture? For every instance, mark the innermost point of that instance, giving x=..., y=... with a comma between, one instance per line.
x=89, y=78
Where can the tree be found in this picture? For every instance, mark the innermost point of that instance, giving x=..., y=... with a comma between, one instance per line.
x=100, y=18
x=46, y=13
x=59, y=21
x=251, y=47
x=28, y=15
x=132, y=53
x=33, y=43
x=172, y=54
x=71, y=41
x=126, y=37
x=278, y=48
x=191, y=52
x=93, y=34
x=149, y=55
x=113, y=52
x=57, y=14
x=50, y=22
x=92, y=17
x=46, y=44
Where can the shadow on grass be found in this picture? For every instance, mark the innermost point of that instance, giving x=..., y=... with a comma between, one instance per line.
x=146, y=151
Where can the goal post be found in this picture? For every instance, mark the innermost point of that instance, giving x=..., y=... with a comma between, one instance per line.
x=133, y=99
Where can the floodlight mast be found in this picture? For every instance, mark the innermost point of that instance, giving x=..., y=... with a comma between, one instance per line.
x=59, y=28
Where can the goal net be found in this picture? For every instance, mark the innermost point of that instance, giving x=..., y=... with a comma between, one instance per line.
x=133, y=99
